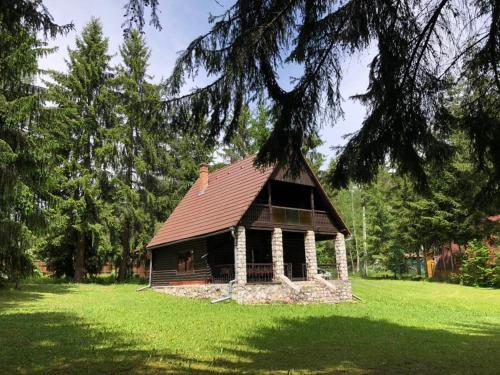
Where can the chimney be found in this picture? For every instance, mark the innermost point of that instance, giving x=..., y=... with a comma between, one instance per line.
x=203, y=184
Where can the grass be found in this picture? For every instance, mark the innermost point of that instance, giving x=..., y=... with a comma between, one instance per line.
x=400, y=327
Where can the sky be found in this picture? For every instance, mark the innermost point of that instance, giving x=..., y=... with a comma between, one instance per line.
x=182, y=21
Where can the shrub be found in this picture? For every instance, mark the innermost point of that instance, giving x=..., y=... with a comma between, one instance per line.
x=496, y=273
x=476, y=269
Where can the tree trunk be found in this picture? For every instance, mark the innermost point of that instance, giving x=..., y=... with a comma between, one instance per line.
x=426, y=267
x=451, y=258
x=80, y=257
x=123, y=271
x=352, y=260
x=365, y=246
x=17, y=278
x=354, y=234
x=419, y=264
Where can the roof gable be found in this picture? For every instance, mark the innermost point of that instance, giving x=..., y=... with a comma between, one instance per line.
x=303, y=177
x=231, y=190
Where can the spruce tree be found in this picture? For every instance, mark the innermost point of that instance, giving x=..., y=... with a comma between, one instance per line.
x=84, y=119
x=421, y=49
x=23, y=173
x=25, y=179
x=139, y=146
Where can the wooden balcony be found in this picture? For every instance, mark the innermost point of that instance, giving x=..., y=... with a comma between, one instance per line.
x=266, y=216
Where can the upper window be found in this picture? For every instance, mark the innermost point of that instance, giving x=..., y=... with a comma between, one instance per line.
x=185, y=262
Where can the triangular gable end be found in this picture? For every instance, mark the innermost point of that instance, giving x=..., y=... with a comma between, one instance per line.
x=308, y=178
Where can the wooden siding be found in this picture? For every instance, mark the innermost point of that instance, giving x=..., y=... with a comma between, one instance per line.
x=303, y=178
x=323, y=222
x=165, y=263
x=258, y=216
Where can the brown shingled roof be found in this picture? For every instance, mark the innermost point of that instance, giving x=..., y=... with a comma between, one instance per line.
x=231, y=190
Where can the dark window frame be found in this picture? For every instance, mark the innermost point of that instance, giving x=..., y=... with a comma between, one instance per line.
x=187, y=261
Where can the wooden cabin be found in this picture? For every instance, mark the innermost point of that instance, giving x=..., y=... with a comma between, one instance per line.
x=253, y=226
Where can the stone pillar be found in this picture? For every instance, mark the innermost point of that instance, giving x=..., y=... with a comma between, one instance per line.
x=310, y=249
x=240, y=256
x=277, y=253
x=341, y=257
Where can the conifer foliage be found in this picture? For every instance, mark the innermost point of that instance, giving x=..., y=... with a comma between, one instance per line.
x=24, y=177
x=120, y=168
x=136, y=153
x=420, y=47
x=86, y=117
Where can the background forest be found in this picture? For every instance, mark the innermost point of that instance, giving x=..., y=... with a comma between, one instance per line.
x=91, y=165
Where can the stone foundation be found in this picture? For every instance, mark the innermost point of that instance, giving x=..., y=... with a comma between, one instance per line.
x=315, y=291
x=211, y=291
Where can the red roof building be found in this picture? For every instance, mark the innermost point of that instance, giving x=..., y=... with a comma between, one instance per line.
x=249, y=225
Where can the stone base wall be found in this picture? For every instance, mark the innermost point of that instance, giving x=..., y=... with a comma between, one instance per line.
x=211, y=291
x=308, y=292
x=304, y=292
x=316, y=292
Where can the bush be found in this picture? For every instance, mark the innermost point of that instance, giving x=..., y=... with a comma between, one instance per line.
x=496, y=273
x=477, y=269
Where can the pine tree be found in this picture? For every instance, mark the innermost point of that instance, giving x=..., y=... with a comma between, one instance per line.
x=418, y=45
x=24, y=149
x=23, y=176
x=249, y=136
x=139, y=146
x=85, y=118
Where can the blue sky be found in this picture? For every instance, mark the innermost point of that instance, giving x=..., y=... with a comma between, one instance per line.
x=182, y=21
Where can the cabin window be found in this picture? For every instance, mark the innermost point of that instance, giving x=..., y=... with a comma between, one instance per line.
x=185, y=262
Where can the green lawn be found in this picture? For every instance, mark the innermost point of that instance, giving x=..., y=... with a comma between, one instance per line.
x=400, y=327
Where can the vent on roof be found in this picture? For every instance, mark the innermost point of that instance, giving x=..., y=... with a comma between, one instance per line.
x=203, y=178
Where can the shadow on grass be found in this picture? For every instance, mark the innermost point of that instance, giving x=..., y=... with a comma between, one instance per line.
x=359, y=345
x=30, y=292
x=61, y=343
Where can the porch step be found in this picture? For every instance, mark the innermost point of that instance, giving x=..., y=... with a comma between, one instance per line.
x=315, y=291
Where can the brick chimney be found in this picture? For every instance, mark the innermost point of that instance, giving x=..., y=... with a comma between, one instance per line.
x=203, y=184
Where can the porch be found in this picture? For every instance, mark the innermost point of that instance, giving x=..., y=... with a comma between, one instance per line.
x=264, y=266
x=251, y=256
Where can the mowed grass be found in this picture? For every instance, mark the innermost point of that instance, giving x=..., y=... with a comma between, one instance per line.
x=400, y=327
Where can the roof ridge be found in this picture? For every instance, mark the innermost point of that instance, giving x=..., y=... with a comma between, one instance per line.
x=231, y=165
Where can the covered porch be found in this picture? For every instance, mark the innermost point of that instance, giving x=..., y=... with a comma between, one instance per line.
x=251, y=256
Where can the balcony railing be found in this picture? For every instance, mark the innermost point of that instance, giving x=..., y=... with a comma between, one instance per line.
x=259, y=272
x=263, y=215
x=292, y=216
x=222, y=273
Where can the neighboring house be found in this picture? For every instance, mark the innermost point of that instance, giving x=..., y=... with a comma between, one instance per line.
x=448, y=259
x=445, y=261
x=258, y=227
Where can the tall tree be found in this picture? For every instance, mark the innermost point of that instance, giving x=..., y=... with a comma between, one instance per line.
x=85, y=118
x=24, y=177
x=139, y=145
x=418, y=45
x=250, y=134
